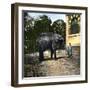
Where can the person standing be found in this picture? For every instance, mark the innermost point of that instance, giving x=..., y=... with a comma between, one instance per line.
x=69, y=50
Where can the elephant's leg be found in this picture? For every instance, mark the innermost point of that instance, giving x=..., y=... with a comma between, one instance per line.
x=51, y=54
x=54, y=54
x=41, y=55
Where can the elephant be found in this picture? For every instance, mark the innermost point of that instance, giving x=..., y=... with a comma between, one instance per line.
x=51, y=41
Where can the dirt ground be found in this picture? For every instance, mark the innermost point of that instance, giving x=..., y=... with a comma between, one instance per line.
x=63, y=65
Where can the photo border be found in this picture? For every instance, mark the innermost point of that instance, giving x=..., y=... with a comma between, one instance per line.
x=14, y=43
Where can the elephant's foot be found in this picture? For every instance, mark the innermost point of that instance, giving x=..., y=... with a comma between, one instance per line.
x=55, y=58
x=41, y=59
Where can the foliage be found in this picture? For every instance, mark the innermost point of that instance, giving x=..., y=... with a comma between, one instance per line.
x=74, y=22
x=33, y=27
x=59, y=26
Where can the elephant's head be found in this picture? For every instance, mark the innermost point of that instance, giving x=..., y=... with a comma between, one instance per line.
x=59, y=39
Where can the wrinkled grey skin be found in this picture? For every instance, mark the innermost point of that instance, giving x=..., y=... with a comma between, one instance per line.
x=51, y=41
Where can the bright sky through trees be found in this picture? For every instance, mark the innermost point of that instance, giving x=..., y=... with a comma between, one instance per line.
x=52, y=16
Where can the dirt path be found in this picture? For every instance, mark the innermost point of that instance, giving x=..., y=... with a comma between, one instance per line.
x=63, y=66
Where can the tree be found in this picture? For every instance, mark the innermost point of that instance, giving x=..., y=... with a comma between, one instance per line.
x=75, y=24
x=59, y=26
x=34, y=27
x=42, y=24
x=28, y=28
